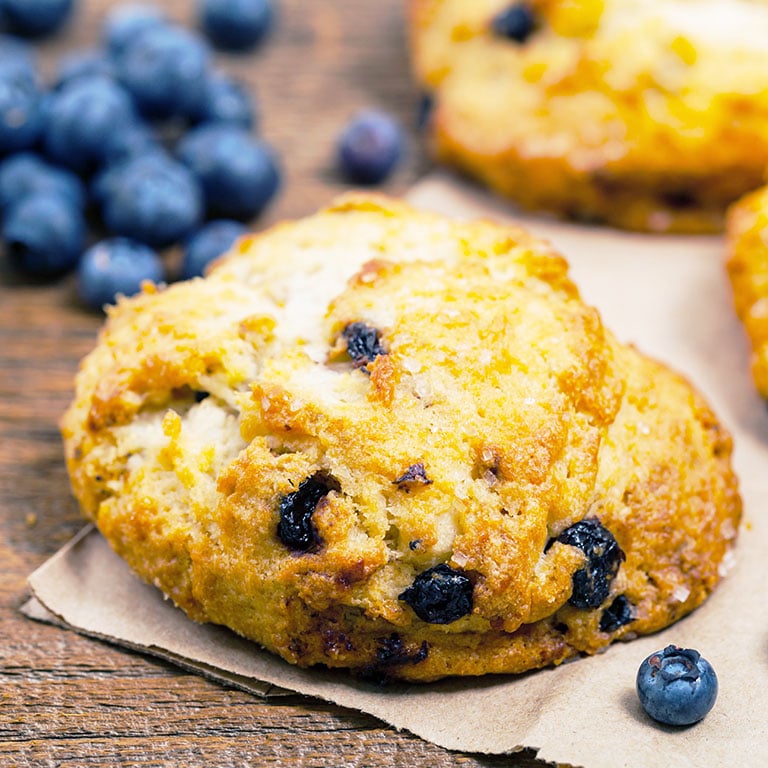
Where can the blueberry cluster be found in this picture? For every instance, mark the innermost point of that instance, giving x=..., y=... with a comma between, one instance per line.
x=142, y=141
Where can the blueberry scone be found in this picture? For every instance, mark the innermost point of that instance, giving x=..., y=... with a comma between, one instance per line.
x=385, y=440
x=644, y=114
x=747, y=266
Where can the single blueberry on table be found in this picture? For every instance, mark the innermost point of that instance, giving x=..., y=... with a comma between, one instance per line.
x=153, y=200
x=236, y=24
x=21, y=109
x=36, y=18
x=440, y=595
x=226, y=100
x=592, y=583
x=369, y=147
x=239, y=173
x=115, y=266
x=515, y=23
x=677, y=686
x=125, y=22
x=296, y=528
x=44, y=234
x=27, y=173
x=207, y=244
x=165, y=69
x=82, y=116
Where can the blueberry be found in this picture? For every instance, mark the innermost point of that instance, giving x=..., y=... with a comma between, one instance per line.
x=616, y=615
x=44, y=234
x=115, y=266
x=105, y=183
x=129, y=141
x=154, y=200
x=81, y=118
x=26, y=173
x=36, y=18
x=369, y=148
x=16, y=55
x=83, y=64
x=296, y=529
x=207, y=244
x=592, y=583
x=424, y=111
x=392, y=652
x=676, y=686
x=165, y=69
x=236, y=24
x=363, y=343
x=440, y=595
x=515, y=23
x=226, y=101
x=239, y=173
x=124, y=23
x=21, y=109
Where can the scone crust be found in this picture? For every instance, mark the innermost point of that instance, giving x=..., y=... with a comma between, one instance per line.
x=747, y=266
x=646, y=116
x=496, y=414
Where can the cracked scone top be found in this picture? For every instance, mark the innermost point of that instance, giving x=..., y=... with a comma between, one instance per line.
x=381, y=439
x=645, y=114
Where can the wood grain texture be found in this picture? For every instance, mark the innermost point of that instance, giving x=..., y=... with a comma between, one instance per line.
x=69, y=701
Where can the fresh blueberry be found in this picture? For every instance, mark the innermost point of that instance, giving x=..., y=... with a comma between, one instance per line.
x=115, y=266
x=83, y=64
x=236, y=24
x=36, y=18
x=16, y=55
x=165, y=68
x=26, y=173
x=226, y=101
x=207, y=244
x=44, y=234
x=153, y=200
x=440, y=595
x=106, y=182
x=592, y=583
x=676, y=686
x=21, y=110
x=81, y=118
x=126, y=142
x=239, y=173
x=515, y=23
x=369, y=147
x=125, y=22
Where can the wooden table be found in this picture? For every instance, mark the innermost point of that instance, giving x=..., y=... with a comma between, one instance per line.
x=70, y=701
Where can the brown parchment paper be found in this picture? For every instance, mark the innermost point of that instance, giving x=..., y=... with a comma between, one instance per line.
x=667, y=295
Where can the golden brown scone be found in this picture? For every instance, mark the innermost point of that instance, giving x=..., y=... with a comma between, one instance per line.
x=643, y=114
x=747, y=264
x=380, y=439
